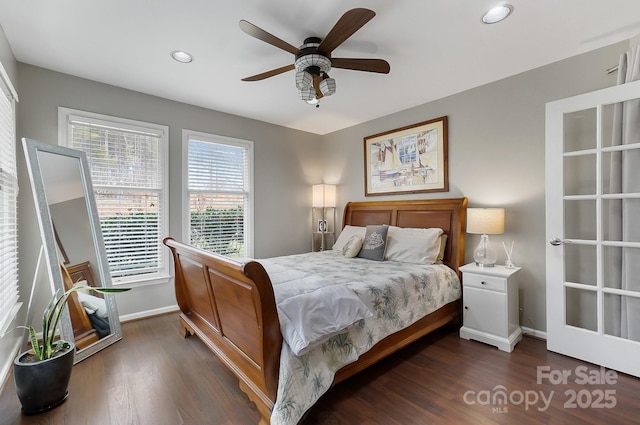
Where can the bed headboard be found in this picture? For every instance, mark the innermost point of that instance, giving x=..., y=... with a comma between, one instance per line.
x=83, y=271
x=448, y=214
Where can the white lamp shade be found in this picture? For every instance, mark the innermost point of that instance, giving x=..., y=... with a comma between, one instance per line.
x=307, y=94
x=327, y=86
x=485, y=221
x=324, y=195
x=303, y=80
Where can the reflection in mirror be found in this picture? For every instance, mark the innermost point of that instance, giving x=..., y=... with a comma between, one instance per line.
x=73, y=244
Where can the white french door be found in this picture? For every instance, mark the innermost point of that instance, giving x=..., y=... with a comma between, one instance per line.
x=593, y=227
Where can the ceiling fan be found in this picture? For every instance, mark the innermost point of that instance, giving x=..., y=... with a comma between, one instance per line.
x=313, y=59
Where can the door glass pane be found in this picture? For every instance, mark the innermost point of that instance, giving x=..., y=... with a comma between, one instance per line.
x=580, y=264
x=580, y=175
x=611, y=223
x=614, y=167
x=620, y=316
x=607, y=125
x=580, y=219
x=617, y=215
x=621, y=268
x=581, y=309
x=580, y=130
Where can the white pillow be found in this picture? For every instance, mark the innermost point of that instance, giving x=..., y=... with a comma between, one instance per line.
x=308, y=320
x=346, y=234
x=352, y=247
x=93, y=304
x=411, y=245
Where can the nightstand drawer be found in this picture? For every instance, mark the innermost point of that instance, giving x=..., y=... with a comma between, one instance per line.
x=485, y=282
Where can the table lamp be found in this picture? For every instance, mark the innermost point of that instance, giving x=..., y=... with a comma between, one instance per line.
x=485, y=222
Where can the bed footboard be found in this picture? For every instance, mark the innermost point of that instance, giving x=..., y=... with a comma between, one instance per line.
x=230, y=306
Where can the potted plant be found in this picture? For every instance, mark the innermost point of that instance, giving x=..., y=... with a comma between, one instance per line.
x=42, y=374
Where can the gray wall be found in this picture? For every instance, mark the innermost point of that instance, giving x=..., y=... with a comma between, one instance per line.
x=286, y=163
x=72, y=226
x=8, y=60
x=496, y=157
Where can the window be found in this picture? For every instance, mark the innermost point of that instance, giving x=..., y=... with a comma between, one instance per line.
x=9, y=305
x=128, y=167
x=219, y=200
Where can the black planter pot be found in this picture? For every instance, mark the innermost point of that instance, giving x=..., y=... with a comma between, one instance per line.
x=42, y=385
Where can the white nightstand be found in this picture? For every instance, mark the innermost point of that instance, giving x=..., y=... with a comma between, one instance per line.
x=490, y=306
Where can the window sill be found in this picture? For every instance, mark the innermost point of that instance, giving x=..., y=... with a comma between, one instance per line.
x=155, y=280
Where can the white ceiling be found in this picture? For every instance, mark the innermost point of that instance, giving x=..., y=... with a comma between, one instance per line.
x=435, y=48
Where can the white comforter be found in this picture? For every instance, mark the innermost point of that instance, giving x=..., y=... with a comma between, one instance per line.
x=397, y=295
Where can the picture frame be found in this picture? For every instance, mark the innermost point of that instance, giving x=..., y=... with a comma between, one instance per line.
x=411, y=159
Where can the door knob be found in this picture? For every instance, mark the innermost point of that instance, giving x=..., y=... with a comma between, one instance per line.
x=555, y=242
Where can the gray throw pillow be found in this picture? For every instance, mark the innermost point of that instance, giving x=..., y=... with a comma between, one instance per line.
x=374, y=244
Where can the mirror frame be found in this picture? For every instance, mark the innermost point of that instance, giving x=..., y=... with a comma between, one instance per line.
x=31, y=150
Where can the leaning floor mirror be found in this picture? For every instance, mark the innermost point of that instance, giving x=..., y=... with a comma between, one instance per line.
x=73, y=244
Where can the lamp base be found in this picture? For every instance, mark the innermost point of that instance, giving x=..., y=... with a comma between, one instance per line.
x=485, y=264
x=484, y=255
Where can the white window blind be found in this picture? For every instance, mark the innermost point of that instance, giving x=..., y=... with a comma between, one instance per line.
x=127, y=164
x=8, y=214
x=219, y=190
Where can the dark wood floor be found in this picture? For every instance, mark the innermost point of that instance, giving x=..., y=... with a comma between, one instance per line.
x=154, y=376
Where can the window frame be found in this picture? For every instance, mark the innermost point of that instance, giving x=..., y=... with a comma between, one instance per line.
x=7, y=89
x=187, y=135
x=65, y=115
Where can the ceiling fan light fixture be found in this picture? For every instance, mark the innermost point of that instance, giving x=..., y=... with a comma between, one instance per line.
x=304, y=80
x=497, y=14
x=327, y=86
x=313, y=59
x=307, y=94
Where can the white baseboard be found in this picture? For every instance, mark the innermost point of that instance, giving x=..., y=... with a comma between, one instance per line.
x=534, y=332
x=149, y=313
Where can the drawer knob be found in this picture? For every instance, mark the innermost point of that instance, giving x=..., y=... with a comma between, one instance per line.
x=466, y=308
x=483, y=282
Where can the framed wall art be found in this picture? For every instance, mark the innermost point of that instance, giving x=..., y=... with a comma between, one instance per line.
x=410, y=159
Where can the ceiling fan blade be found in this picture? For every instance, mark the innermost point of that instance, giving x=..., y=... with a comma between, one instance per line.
x=268, y=74
x=369, y=65
x=261, y=34
x=348, y=24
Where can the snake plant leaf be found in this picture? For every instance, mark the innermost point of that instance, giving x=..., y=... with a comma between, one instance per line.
x=35, y=345
x=51, y=319
x=111, y=290
x=61, y=345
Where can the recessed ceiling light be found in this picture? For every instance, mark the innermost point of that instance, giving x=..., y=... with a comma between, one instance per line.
x=497, y=14
x=181, y=56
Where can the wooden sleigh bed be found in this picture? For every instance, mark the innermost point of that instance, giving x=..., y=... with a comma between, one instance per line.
x=231, y=306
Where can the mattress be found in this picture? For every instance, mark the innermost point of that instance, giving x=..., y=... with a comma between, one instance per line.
x=396, y=295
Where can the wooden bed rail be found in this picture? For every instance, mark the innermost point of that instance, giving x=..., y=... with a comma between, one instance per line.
x=231, y=307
